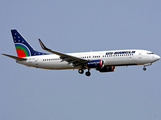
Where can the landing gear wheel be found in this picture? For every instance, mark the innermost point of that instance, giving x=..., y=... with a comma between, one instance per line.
x=81, y=71
x=144, y=69
x=88, y=73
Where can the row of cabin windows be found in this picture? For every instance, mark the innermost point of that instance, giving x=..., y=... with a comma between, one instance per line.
x=51, y=59
x=118, y=55
x=90, y=57
x=86, y=57
x=93, y=57
x=109, y=55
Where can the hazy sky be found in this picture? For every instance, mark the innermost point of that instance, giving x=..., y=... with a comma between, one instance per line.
x=75, y=26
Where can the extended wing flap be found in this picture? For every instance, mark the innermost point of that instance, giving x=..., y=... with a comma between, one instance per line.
x=14, y=57
x=64, y=57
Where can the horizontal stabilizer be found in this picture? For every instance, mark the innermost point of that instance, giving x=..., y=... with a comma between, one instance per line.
x=14, y=57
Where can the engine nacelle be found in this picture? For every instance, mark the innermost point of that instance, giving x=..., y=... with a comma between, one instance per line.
x=95, y=64
x=107, y=69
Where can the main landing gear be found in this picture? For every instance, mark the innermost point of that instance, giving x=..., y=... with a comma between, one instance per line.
x=88, y=73
x=81, y=71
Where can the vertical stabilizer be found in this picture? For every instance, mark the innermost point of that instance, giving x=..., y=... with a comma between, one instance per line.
x=23, y=48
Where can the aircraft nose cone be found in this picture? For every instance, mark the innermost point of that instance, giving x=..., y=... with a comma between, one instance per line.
x=156, y=57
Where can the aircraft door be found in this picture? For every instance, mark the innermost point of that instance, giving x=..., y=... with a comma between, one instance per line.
x=140, y=55
x=36, y=61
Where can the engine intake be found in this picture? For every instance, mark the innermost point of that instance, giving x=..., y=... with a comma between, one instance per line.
x=107, y=69
x=95, y=64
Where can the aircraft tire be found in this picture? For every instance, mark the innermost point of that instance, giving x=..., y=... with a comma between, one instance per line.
x=88, y=73
x=81, y=71
x=144, y=69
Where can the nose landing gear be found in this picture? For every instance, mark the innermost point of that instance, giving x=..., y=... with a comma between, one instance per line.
x=144, y=69
x=148, y=64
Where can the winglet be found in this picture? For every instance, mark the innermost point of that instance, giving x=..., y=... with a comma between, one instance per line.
x=42, y=45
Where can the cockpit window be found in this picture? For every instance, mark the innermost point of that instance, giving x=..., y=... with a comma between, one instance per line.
x=150, y=53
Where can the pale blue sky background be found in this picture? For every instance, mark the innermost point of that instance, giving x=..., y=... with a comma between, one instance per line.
x=75, y=26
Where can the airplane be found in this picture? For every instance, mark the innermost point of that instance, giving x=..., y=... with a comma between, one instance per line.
x=102, y=61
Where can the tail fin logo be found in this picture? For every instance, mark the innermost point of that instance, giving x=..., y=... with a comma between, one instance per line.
x=22, y=50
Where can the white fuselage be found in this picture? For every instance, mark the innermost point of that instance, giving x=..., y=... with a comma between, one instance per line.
x=110, y=58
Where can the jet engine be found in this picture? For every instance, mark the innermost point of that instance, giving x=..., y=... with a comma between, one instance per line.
x=95, y=64
x=106, y=69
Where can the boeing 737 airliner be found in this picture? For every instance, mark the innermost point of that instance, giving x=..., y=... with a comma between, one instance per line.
x=102, y=61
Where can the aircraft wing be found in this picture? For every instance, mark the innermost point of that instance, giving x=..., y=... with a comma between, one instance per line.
x=14, y=57
x=65, y=57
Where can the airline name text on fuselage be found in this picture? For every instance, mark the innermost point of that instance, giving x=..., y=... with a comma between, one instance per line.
x=120, y=52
